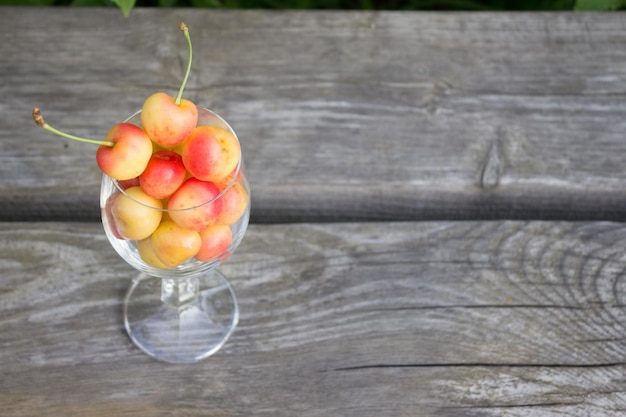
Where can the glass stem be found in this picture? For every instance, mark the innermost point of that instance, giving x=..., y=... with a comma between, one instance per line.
x=179, y=291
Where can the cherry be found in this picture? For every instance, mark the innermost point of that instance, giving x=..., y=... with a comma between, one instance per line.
x=163, y=175
x=122, y=155
x=193, y=205
x=168, y=120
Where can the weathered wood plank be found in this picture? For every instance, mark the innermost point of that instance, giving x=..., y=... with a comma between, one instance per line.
x=342, y=115
x=370, y=319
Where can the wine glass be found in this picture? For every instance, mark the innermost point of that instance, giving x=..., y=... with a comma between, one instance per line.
x=182, y=313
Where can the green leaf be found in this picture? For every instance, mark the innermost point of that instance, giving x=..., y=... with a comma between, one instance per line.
x=599, y=4
x=125, y=5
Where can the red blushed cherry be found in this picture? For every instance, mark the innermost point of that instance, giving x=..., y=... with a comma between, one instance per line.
x=211, y=153
x=234, y=203
x=215, y=242
x=166, y=122
x=163, y=175
x=169, y=120
x=192, y=206
x=129, y=155
x=123, y=154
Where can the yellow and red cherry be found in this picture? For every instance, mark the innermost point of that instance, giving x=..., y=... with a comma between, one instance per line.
x=163, y=175
x=122, y=155
x=234, y=202
x=173, y=245
x=169, y=120
x=129, y=156
x=192, y=205
x=215, y=242
x=136, y=215
x=211, y=153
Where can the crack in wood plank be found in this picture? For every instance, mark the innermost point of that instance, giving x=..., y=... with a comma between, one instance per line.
x=492, y=166
x=478, y=365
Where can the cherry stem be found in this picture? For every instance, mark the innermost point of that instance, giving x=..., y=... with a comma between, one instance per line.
x=185, y=30
x=39, y=121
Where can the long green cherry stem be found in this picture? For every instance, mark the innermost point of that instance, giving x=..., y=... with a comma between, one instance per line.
x=39, y=121
x=185, y=30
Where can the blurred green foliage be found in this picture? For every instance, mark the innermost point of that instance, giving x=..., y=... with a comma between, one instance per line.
x=472, y=5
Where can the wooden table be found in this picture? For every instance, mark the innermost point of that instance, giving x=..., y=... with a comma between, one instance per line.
x=436, y=224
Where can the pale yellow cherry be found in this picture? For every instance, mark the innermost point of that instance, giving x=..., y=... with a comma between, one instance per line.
x=136, y=214
x=173, y=244
x=146, y=252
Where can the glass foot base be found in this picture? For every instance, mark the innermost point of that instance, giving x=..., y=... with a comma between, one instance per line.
x=186, y=330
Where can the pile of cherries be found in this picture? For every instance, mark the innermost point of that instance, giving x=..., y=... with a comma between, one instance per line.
x=179, y=184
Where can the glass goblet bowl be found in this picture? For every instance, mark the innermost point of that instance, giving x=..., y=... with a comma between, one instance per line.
x=179, y=308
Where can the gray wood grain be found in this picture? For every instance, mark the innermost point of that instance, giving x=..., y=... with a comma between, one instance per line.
x=342, y=115
x=351, y=319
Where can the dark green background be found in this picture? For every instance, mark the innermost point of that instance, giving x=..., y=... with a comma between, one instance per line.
x=476, y=5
